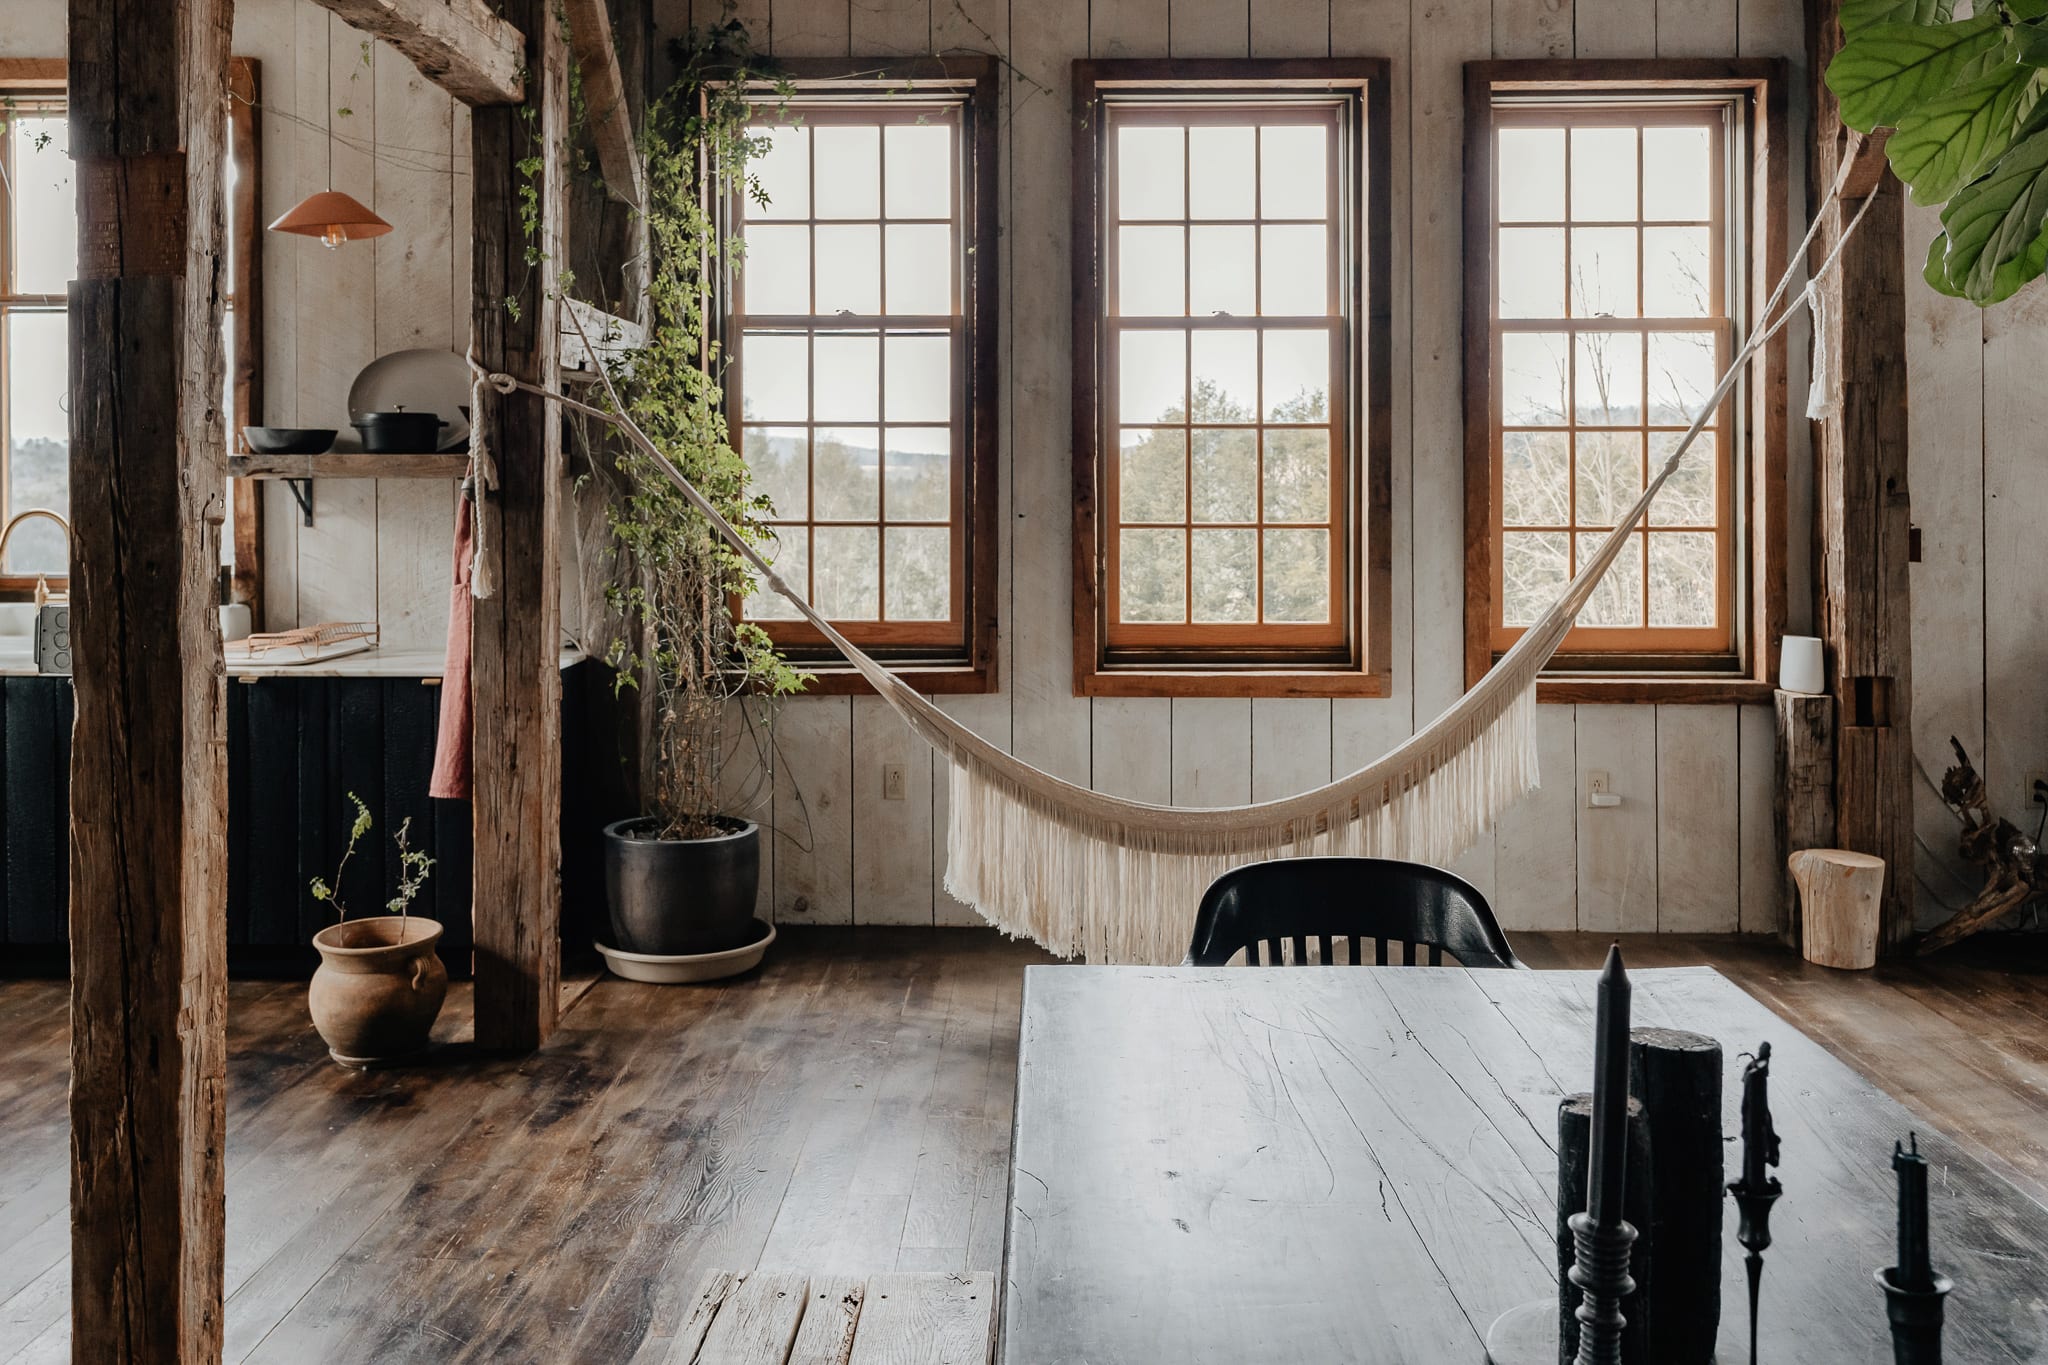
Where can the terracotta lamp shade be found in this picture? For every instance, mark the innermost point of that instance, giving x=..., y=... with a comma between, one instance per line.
x=333, y=217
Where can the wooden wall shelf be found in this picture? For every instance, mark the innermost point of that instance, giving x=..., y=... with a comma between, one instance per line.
x=349, y=464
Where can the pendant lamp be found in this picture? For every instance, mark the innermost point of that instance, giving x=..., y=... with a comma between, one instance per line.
x=333, y=217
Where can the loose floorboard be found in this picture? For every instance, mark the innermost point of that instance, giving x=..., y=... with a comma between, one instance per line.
x=843, y=1112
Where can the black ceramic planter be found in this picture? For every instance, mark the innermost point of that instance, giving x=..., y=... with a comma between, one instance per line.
x=678, y=897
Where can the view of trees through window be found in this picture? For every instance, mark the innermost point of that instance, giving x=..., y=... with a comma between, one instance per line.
x=1611, y=327
x=41, y=257
x=1224, y=346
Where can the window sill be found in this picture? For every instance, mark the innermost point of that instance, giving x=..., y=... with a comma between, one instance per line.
x=932, y=679
x=1306, y=683
x=1637, y=689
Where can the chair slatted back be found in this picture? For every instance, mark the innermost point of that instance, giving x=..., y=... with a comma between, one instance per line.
x=1295, y=911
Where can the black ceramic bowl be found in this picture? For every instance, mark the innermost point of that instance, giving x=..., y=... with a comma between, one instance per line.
x=288, y=440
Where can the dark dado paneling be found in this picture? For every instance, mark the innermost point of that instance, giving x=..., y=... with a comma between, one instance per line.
x=296, y=748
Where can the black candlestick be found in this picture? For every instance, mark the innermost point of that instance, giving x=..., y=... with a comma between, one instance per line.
x=1756, y=1191
x=1600, y=1236
x=1913, y=1292
x=1915, y=1268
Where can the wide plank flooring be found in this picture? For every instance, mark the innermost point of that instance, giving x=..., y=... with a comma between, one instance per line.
x=845, y=1111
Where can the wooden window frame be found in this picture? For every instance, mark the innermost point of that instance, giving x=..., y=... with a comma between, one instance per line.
x=48, y=76
x=965, y=661
x=1757, y=452
x=1268, y=665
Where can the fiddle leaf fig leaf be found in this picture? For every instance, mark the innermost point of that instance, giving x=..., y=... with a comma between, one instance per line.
x=2030, y=44
x=1950, y=141
x=2027, y=9
x=1858, y=15
x=1887, y=71
x=1935, y=272
x=1995, y=226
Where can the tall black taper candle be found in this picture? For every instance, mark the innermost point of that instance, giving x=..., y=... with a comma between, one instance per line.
x=1913, y=1292
x=1916, y=1267
x=1602, y=1238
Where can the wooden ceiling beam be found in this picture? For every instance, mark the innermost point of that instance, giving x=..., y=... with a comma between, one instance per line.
x=604, y=96
x=463, y=46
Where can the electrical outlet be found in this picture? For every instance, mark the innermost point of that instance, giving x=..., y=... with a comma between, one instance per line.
x=1598, y=795
x=1596, y=782
x=893, y=782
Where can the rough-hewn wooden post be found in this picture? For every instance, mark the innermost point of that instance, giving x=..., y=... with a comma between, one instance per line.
x=515, y=680
x=1861, y=500
x=148, y=83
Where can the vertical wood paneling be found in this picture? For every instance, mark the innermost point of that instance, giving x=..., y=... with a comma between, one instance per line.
x=1212, y=751
x=892, y=840
x=1536, y=845
x=2016, y=612
x=1133, y=754
x=1763, y=878
x=1695, y=28
x=1209, y=28
x=886, y=28
x=1532, y=28
x=1128, y=28
x=812, y=28
x=1291, y=746
x=1290, y=28
x=1614, y=28
x=1618, y=844
x=1699, y=839
x=814, y=797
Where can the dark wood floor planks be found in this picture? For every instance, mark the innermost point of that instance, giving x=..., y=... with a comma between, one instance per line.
x=845, y=1111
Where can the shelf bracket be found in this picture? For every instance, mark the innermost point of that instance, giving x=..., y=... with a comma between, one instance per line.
x=302, y=493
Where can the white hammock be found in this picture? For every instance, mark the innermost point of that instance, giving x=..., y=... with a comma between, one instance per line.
x=1111, y=880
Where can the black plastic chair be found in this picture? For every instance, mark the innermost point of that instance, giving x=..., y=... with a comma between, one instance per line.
x=1411, y=907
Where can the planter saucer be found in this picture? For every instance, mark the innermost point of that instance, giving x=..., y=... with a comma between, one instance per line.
x=685, y=968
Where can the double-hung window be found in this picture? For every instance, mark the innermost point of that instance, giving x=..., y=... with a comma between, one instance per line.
x=1228, y=378
x=1616, y=249
x=38, y=256
x=860, y=384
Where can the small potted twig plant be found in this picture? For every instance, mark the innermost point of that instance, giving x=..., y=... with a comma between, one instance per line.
x=379, y=986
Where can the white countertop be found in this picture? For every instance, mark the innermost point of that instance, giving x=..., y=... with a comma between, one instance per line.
x=17, y=661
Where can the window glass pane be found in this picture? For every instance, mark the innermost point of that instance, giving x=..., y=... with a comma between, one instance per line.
x=847, y=573
x=1603, y=174
x=1530, y=272
x=848, y=171
x=1221, y=177
x=1152, y=479
x=1535, y=478
x=918, y=169
x=1682, y=579
x=1222, y=271
x=920, y=573
x=775, y=269
x=1618, y=600
x=1297, y=576
x=1226, y=475
x=1297, y=475
x=1607, y=378
x=1610, y=475
x=920, y=267
x=850, y=270
x=1151, y=175
x=1151, y=273
x=45, y=214
x=1534, y=567
x=1677, y=173
x=919, y=377
x=779, y=459
x=1152, y=576
x=1297, y=375
x=918, y=465
x=1226, y=372
x=849, y=377
x=845, y=462
x=1152, y=376
x=784, y=173
x=1531, y=175
x=1604, y=272
x=1294, y=271
x=1225, y=569
x=1687, y=497
x=775, y=377
x=1682, y=375
x=39, y=437
x=1678, y=273
x=1532, y=376
x=1294, y=177
x=790, y=554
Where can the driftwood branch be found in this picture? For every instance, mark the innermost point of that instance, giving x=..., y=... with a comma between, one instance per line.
x=2010, y=861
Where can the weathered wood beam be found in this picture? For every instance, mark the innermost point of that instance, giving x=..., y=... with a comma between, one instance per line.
x=604, y=96
x=460, y=45
x=1803, y=803
x=515, y=679
x=148, y=129
x=1862, y=504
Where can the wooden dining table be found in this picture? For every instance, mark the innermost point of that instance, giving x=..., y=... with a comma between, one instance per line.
x=1339, y=1164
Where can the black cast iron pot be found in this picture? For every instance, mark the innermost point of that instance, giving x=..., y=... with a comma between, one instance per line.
x=681, y=897
x=400, y=432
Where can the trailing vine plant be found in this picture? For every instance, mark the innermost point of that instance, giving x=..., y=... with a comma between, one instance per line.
x=1964, y=101
x=675, y=580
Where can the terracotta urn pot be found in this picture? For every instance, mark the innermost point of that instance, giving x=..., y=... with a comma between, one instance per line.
x=378, y=988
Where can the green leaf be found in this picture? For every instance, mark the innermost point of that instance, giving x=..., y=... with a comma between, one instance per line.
x=1947, y=143
x=1886, y=72
x=1995, y=225
x=2030, y=44
x=2027, y=9
x=1935, y=272
x=1858, y=15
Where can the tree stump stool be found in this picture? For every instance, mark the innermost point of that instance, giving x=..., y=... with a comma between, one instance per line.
x=1839, y=893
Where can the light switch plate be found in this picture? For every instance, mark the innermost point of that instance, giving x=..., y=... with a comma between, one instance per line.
x=893, y=783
